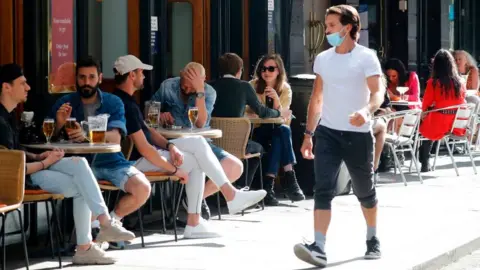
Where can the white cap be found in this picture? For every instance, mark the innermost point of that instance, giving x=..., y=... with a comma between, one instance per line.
x=127, y=63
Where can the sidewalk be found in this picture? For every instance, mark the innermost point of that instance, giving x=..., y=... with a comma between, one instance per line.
x=420, y=227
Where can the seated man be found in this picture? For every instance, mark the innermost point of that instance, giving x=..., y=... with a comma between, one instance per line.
x=71, y=177
x=188, y=158
x=179, y=94
x=233, y=95
x=90, y=101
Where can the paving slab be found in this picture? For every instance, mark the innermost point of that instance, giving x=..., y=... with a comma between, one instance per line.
x=420, y=226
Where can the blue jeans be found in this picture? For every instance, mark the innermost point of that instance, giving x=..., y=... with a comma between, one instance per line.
x=73, y=178
x=277, y=141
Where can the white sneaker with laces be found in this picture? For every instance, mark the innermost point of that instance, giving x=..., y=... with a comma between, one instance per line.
x=202, y=231
x=244, y=199
x=114, y=233
x=94, y=255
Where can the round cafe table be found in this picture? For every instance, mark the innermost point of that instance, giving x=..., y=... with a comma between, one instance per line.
x=210, y=133
x=258, y=120
x=78, y=148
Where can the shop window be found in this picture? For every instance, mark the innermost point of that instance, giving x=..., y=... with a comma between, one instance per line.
x=180, y=36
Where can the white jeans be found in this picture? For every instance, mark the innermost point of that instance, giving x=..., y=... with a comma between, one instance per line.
x=73, y=178
x=198, y=160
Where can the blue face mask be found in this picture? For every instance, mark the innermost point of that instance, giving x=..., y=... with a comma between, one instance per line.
x=335, y=39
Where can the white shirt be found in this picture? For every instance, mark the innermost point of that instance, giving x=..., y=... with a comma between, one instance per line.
x=345, y=89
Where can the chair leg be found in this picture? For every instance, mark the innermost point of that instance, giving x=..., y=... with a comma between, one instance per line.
x=162, y=205
x=4, y=249
x=176, y=207
x=450, y=153
x=24, y=239
x=471, y=158
x=140, y=220
x=414, y=160
x=219, y=209
x=246, y=179
x=57, y=235
x=261, y=180
x=49, y=226
x=397, y=164
x=436, y=155
x=173, y=195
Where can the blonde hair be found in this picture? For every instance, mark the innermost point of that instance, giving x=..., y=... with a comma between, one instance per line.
x=197, y=66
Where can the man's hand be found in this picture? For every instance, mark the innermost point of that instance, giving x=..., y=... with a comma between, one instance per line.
x=197, y=81
x=286, y=114
x=359, y=118
x=63, y=113
x=166, y=118
x=182, y=175
x=176, y=156
x=76, y=135
x=307, y=148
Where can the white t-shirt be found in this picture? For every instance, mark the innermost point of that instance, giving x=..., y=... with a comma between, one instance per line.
x=345, y=89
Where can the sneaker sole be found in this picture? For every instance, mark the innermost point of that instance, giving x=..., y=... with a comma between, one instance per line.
x=101, y=238
x=205, y=236
x=372, y=257
x=304, y=254
x=91, y=263
x=246, y=205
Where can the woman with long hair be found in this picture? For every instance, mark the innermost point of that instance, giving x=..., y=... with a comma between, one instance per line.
x=270, y=83
x=399, y=76
x=444, y=89
x=467, y=66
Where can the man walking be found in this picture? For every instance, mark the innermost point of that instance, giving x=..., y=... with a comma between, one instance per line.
x=344, y=133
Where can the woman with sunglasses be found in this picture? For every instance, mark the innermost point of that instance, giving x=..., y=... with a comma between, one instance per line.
x=270, y=83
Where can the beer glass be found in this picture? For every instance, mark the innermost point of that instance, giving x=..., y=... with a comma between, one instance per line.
x=192, y=116
x=152, y=111
x=70, y=124
x=48, y=127
x=96, y=128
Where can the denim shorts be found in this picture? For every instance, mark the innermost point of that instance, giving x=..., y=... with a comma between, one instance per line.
x=118, y=176
x=219, y=152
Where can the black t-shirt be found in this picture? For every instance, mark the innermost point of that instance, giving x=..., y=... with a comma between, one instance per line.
x=9, y=136
x=134, y=119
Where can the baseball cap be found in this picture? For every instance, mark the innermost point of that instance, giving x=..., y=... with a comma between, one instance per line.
x=10, y=72
x=127, y=63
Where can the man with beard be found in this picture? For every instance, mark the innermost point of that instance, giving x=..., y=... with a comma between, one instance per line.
x=89, y=100
x=179, y=94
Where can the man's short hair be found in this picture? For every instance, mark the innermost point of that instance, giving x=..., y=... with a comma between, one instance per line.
x=9, y=73
x=119, y=79
x=348, y=15
x=197, y=66
x=230, y=64
x=88, y=62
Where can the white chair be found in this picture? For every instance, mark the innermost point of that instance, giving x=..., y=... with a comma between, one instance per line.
x=405, y=139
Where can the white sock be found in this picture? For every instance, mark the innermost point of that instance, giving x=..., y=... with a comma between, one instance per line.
x=95, y=224
x=114, y=216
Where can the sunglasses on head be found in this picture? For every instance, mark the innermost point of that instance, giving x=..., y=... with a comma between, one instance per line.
x=269, y=69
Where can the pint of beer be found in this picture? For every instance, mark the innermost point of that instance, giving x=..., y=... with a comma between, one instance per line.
x=96, y=128
x=70, y=124
x=153, y=118
x=192, y=116
x=97, y=136
x=48, y=127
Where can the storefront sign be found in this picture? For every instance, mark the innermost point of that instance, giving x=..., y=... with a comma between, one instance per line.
x=62, y=60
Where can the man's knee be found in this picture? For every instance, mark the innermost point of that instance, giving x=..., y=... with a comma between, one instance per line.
x=139, y=187
x=323, y=201
x=285, y=130
x=232, y=167
x=368, y=201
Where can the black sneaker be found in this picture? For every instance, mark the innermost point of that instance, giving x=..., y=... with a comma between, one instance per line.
x=270, y=199
x=311, y=254
x=373, y=249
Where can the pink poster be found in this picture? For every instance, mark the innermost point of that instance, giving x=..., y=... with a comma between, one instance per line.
x=62, y=65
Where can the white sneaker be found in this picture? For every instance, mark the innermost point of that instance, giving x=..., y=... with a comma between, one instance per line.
x=201, y=231
x=245, y=199
x=114, y=233
x=94, y=255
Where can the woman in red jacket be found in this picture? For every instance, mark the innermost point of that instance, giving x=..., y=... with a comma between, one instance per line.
x=444, y=89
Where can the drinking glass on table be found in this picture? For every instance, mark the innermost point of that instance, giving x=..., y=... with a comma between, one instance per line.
x=96, y=128
x=153, y=113
x=192, y=116
x=402, y=90
x=48, y=127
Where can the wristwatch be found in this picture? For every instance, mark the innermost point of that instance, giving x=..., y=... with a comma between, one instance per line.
x=200, y=95
x=309, y=133
x=168, y=145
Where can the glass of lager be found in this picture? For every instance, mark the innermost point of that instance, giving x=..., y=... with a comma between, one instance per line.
x=192, y=117
x=48, y=127
x=152, y=113
x=96, y=128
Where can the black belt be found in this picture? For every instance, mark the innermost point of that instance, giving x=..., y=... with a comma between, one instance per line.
x=452, y=111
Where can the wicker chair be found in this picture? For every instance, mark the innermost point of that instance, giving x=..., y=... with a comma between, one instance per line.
x=236, y=132
x=12, y=173
x=153, y=177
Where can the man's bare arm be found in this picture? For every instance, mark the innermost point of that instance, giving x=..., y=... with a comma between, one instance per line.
x=157, y=138
x=113, y=136
x=377, y=93
x=149, y=152
x=315, y=104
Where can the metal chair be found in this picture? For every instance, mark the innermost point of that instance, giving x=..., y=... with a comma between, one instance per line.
x=405, y=139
